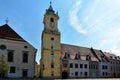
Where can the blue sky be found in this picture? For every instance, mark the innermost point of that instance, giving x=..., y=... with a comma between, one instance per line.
x=88, y=23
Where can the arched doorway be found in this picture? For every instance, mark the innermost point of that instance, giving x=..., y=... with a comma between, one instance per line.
x=64, y=75
x=114, y=75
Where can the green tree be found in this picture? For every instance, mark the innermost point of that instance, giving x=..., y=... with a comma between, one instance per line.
x=3, y=66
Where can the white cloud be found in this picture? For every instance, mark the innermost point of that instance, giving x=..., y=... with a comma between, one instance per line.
x=115, y=50
x=102, y=21
x=93, y=8
x=73, y=18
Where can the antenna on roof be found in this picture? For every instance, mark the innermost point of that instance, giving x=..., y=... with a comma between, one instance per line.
x=6, y=20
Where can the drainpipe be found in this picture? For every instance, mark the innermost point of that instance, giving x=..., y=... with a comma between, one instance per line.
x=34, y=62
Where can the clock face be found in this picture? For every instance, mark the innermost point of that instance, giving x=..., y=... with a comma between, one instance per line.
x=52, y=24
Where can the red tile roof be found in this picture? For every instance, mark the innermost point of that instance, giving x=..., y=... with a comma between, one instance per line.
x=6, y=32
x=112, y=56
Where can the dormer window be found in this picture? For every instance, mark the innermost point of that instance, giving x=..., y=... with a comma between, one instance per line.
x=77, y=56
x=111, y=57
x=67, y=55
x=116, y=58
x=104, y=58
x=88, y=57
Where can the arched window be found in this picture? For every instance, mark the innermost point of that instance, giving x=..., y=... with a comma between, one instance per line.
x=88, y=57
x=52, y=38
x=51, y=19
x=10, y=56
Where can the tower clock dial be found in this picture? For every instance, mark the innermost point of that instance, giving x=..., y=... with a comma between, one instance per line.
x=52, y=24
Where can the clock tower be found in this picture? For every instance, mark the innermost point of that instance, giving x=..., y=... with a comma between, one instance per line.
x=50, y=52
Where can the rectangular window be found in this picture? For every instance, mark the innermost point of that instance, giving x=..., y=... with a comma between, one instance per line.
x=25, y=57
x=81, y=65
x=24, y=73
x=76, y=65
x=106, y=73
x=12, y=69
x=96, y=66
x=71, y=65
x=10, y=56
x=106, y=67
x=68, y=55
x=76, y=73
x=52, y=65
x=102, y=66
x=103, y=73
x=85, y=65
x=86, y=73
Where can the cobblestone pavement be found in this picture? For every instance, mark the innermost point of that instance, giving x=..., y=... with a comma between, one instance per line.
x=64, y=79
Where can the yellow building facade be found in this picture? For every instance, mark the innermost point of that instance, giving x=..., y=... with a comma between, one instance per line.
x=50, y=55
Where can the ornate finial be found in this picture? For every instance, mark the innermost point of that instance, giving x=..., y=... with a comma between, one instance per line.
x=6, y=20
x=50, y=2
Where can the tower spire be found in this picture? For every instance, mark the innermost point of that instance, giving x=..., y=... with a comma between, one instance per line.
x=50, y=9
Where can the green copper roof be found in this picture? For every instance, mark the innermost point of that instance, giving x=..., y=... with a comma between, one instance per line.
x=50, y=10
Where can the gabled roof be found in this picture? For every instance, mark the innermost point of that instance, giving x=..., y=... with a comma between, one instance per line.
x=72, y=50
x=112, y=56
x=96, y=55
x=6, y=32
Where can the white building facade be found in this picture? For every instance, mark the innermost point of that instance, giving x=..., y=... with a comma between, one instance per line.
x=104, y=69
x=78, y=68
x=19, y=54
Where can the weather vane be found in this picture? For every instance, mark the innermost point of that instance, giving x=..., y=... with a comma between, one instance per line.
x=6, y=20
